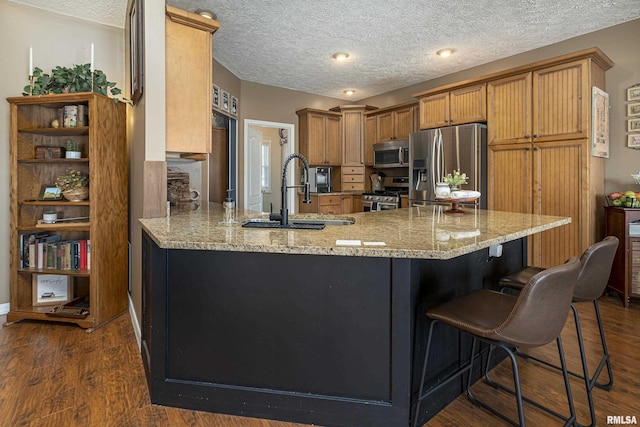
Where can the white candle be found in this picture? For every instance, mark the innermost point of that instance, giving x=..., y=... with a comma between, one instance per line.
x=30, y=61
x=92, y=57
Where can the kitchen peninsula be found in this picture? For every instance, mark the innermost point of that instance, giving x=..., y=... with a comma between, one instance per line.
x=287, y=324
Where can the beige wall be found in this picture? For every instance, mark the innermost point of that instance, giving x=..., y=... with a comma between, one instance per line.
x=620, y=43
x=273, y=104
x=55, y=41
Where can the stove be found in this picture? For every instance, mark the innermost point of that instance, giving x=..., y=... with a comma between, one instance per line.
x=381, y=200
x=389, y=198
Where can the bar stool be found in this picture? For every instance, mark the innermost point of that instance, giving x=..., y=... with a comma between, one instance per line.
x=596, y=261
x=532, y=319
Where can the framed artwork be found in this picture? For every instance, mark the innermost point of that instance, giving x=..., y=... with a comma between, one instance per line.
x=51, y=289
x=215, y=96
x=50, y=192
x=633, y=109
x=633, y=93
x=234, y=106
x=633, y=125
x=633, y=141
x=600, y=120
x=225, y=101
x=136, y=52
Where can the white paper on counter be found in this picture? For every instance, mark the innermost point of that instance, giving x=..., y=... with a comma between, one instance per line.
x=348, y=242
x=374, y=243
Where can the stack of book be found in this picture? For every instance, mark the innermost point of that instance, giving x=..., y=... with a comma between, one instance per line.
x=44, y=251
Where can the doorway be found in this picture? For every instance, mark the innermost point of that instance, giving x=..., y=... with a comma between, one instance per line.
x=223, y=163
x=266, y=146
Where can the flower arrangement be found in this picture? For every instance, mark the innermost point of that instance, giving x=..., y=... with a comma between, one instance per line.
x=72, y=179
x=456, y=180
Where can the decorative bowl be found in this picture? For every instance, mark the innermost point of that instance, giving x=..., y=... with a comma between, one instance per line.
x=76, y=194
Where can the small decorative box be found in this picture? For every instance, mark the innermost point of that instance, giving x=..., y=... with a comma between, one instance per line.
x=44, y=152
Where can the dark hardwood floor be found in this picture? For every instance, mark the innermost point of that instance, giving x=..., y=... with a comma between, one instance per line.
x=57, y=375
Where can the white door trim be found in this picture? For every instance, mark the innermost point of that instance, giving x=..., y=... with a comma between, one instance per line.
x=287, y=149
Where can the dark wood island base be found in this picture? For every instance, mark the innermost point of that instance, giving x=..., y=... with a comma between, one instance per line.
x=322, y=339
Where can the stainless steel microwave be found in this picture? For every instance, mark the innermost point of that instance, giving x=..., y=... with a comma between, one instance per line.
x=393, y=154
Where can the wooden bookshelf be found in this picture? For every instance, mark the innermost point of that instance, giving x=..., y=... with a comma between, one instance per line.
x=104, y=159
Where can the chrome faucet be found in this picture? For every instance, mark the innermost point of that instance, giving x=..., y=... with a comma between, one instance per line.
x=284, y=212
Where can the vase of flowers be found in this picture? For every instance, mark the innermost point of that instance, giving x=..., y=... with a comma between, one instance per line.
x=456, y=179
x=74, y=185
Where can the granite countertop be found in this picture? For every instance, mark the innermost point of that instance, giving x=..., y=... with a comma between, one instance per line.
x=418, y=232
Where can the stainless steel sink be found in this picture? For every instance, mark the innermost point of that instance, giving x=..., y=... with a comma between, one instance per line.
x=299, y=223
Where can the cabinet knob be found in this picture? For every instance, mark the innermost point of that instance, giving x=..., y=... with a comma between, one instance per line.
x=535, y=135
x=526, y=136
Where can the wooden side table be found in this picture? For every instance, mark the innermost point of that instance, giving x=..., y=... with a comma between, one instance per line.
x=625, y=274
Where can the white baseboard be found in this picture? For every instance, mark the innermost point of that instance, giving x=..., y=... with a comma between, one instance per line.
x=4, y=308
x=134, y=322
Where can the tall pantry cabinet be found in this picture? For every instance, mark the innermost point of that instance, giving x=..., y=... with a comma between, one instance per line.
x=539, y=150
x=102, y=142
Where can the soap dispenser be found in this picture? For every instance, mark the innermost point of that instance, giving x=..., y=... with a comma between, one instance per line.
x=229, y=209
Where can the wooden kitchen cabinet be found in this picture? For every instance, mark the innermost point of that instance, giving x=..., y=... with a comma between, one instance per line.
x=625, y=273
x=188, y=62
x=353, y=128
x=539, y=155
x=331, y=203
x=549, y=104
x=457, y=106
x=219, y=165
x=370, y=136
x=394, y=123
x=319, y=137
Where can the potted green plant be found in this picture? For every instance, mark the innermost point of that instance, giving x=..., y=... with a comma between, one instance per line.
x=74, y=185
x=73, y=150
x=456, y=179
x=77, y=78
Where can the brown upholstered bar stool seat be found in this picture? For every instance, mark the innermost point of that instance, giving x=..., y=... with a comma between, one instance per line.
x=532, y=319
x=596, y=261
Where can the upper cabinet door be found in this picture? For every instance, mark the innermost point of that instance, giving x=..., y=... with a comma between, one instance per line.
x=385, y=129
x=468, y=104
x=509, y=110
x=317, y=133
x=333, y=148
x=188, y=81
x=561, y=102
x=403, y=122
x=370, y=138
x=434, y=111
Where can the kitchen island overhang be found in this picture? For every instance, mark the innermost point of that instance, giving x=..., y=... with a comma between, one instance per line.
x=285, y=325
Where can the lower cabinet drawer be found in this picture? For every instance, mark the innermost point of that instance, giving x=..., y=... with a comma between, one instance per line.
x=353, y=186
x=352, y=178
x=330, y=209
x=353, y=170
x=328, y=200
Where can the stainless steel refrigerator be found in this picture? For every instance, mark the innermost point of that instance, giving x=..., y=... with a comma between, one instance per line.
x=434, y=153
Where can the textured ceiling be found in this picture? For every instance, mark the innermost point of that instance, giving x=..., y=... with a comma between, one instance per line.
x=392, y=44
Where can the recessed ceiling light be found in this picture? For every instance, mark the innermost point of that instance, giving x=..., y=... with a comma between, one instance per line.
x=349, y=91
x=340, y=56
x=444, y=53
x=206, y=14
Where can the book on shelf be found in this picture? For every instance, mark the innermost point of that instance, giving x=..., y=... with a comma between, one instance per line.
x=44, y=251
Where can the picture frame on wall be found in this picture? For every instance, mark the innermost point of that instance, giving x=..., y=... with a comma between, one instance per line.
x=633, y=125
x=225, y=101
x=51, y=289
x=633, y=141
x=234, y=106
x=633, y=93
x=215, y=96
x=600, y=120
x=633, y=109
x=136, y=52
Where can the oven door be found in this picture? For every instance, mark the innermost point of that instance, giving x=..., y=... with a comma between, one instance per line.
x=383, y=206
x=369, y=206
